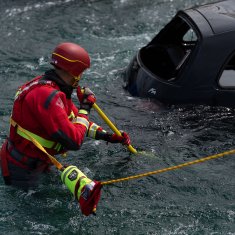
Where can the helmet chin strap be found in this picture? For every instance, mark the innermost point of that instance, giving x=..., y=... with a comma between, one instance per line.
x=76, y=81
x=75, y=84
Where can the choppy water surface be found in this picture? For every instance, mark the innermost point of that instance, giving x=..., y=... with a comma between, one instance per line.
x=195, y=200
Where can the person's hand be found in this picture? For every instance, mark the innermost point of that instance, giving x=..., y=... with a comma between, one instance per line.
x=123, y=139
x=86, y=98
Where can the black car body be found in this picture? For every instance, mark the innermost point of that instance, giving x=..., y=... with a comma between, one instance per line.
x=191, y=60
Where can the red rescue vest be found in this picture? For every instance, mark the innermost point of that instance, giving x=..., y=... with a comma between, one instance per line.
x=19, y=150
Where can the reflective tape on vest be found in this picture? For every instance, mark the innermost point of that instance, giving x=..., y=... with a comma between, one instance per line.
x=72, y=115
x=81, y=120
x=44, y=142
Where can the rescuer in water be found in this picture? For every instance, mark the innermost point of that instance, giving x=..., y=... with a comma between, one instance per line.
x=44, y=109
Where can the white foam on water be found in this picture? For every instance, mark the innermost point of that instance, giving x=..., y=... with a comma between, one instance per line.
x=15, y=11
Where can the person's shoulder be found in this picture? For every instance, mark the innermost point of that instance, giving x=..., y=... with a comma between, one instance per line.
x=45, y=91
x=47, y=87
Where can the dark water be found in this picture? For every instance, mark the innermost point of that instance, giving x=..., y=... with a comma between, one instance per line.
x=193, y=200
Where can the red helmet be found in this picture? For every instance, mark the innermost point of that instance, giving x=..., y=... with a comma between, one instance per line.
x=70, y=57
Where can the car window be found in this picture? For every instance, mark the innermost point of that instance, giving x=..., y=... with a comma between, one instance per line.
x=227, y=78
x=166, y=54
x=190, y=36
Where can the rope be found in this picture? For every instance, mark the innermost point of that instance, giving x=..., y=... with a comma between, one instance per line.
x=169, y=168
x=54, y=161
x=60, y=166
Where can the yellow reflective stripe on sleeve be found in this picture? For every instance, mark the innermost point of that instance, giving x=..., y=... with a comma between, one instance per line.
x=92, y=130
x=83, y=111
x=81, y=120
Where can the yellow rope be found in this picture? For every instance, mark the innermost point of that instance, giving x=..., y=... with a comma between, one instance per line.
x=60, y=166
x=169, y=168
x=38, y=145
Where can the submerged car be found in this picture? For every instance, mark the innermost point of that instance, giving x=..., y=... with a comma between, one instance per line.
x=191, y=60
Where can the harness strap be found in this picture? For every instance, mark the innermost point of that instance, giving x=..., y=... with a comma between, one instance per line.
x=27, y=134
x=10, y=154
x=39, y=146
x=14, y=153
x=18, y=158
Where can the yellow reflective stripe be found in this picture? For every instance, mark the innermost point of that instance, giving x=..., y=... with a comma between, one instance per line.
x=42, y=141
x=92, y=130
x=83, y=111
x=28, y=135
x=72, y=115
x=81, y=120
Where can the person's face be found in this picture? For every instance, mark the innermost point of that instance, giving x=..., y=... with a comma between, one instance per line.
x=72, y=80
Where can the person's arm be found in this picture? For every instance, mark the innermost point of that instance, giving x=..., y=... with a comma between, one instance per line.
x=87, y=99
x=53, y=119
x=97, y=132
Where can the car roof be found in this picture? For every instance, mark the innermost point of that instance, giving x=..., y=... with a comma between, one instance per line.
x=220, y=15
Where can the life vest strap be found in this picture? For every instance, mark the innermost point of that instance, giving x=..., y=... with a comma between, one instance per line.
x=18, y=157
x=39, y=146
x=44, y=142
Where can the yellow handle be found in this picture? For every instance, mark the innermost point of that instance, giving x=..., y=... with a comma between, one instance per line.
x=112, y=126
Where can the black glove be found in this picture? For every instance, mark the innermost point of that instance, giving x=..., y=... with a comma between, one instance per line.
x=114, y=138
